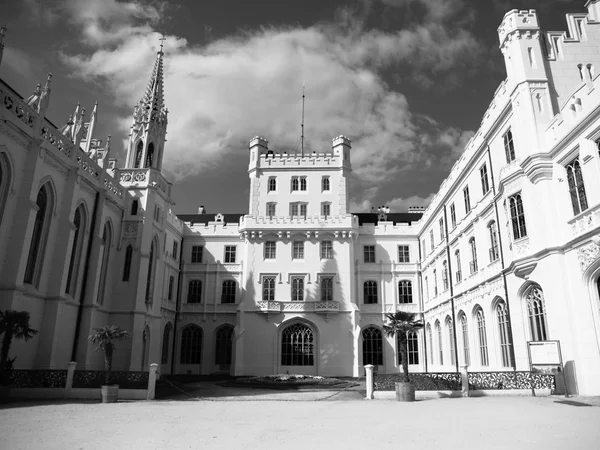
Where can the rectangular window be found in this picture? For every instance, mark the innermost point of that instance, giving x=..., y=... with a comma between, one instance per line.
x=485, y=184
x=175, y=249
x=467, y=200
x=271, y=209
x=295, y=184
x=298, y=209
x=431, y=240
x=303, y=183
x=326, y=289
x=326, y=209
x=453, y=215
x=435, y=286
x=197, y=251
x=369, y=253
x=325, y=184
x=326, y=250
x=403, y=254
x=230, y=253
x=442, y=230
x=272, y=184
x=509, y=147
x=517, y=216
x=170, y=291
x=298, y=250
x=270, y=247
x=297, y=289
x=303, y=209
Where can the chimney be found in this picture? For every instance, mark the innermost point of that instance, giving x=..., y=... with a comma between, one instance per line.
x=201, y=210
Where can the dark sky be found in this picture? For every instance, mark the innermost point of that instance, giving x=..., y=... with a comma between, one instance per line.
x=407, y=80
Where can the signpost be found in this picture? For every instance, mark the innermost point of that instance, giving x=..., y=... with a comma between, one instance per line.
x=545, y=356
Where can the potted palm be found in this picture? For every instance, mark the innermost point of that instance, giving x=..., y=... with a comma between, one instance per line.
x=400, y=324
x=104, y=339
x=13, y=325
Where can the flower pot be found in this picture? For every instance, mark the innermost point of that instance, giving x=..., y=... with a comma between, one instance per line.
x=110, y=394
x=405, y=391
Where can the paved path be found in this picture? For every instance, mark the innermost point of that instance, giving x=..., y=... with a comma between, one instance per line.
x=463, y=423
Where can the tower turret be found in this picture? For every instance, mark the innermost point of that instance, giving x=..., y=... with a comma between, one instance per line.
x=149, y=126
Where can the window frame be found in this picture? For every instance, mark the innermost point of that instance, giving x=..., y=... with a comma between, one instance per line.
x=517, y=216
x=228, y=291
x=405, y=292
x=325, y=183
x=453, y=215
x=230, y=254
x=194, y=292
x=270, y=250
x=370, y=292
x=467, y=199
x=403, y=253
x=197, y=250
x=272, y=184
x=509, y=146
x=576, y=186
x=298, y=250
x=485, y=182
x=297, y=288
x=326, y=249
x=268, y=283
x=369, y=254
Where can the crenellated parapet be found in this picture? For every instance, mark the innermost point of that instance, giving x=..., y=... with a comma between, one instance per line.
x=518, y=25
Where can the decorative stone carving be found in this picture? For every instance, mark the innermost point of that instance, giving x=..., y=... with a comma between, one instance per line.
x=587, y=255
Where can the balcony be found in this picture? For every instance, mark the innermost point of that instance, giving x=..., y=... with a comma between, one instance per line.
x=585, y=221
x=269, y=307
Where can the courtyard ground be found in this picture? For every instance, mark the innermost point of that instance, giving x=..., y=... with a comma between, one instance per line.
x=230, y=418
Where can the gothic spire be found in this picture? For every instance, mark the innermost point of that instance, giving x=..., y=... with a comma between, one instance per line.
x=152, y=106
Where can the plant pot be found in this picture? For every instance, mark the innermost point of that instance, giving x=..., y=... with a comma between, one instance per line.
x=110, y=394
x=405, y=391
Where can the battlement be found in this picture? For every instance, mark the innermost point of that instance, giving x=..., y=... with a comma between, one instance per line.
x=174, y=221
x=517, y=21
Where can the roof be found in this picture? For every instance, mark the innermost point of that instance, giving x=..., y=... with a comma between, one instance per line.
x=205, y=218
x=362, y=218
x=391, y=217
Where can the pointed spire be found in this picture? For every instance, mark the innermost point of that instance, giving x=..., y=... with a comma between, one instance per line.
x=152, y=104
x=45, y=98
x=88, y=130
x=2, y=34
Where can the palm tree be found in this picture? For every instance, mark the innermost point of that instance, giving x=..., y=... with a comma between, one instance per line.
x=14, y=324
x=103, y=338
x=401, y=323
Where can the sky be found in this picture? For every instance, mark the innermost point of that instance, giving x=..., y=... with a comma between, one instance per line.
x=406, y=80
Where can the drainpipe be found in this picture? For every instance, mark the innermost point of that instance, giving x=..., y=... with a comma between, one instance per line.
x=449, y=278
x=422, y=307
x=84, y=280
x=510, y=330
x=177, y=305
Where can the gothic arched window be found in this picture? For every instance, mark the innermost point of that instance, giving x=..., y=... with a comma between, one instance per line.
x=405, y=291
x=150, y=155
x=450, y=327
x=297, y=346
x=104, y=260
x=438, y=329
x=41, y=227
x=576, y=187
x=151, y=269
x=504, y=332
x=138, y=155
x=76, y=250
x=4, y=183
x=465, y=339
x=482, y=334
x=372, y=346
x=165, y=344
x=536, y=308
x=127, y=263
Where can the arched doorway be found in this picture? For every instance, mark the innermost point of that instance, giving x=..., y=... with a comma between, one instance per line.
x=298, y=350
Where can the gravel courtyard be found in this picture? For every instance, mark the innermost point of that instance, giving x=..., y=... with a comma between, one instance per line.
x=469, y=423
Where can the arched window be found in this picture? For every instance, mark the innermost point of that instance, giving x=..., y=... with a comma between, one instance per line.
x=450, y=327
x=517, y=216
x=438, y=329
x=370, y=291
x=127, y=263
x=151, y=269
x=295, y=184
x=405, y=291
x=268, y=288
x=138, y=155
x=504, y=332
x=272, y=184
x=372, y=346
x=325, y=184
x=465, y=339
x=473, y=263
x=4, y=183
x=41, y=226
x=228, y=291
x=445, y=275
x=76, y=250
x=224, y=345
x=458, y=266
x=435, y=286
x=481, y=332
x=166, y=344
x=412, y=341
x=194, y=292
x=191, y=345
x=494, y=251
x=430, y=336
x=576, y=187
x=297, y=346
x=536, y=308
x=104, y=258
x=150, y=155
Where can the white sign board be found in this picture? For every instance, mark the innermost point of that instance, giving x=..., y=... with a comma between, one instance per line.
x=544, y=353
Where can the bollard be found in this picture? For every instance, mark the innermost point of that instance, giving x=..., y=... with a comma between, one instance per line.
x=369, y=371
x=152, y=381
x=464, y=375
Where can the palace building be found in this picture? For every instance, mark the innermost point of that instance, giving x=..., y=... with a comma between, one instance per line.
x=507, y=253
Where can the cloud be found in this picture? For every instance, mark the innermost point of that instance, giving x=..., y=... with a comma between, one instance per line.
x=435, y=10
x=221, y=94
x=398, y=204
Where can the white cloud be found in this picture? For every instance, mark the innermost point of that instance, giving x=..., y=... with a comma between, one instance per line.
x=222, y=94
